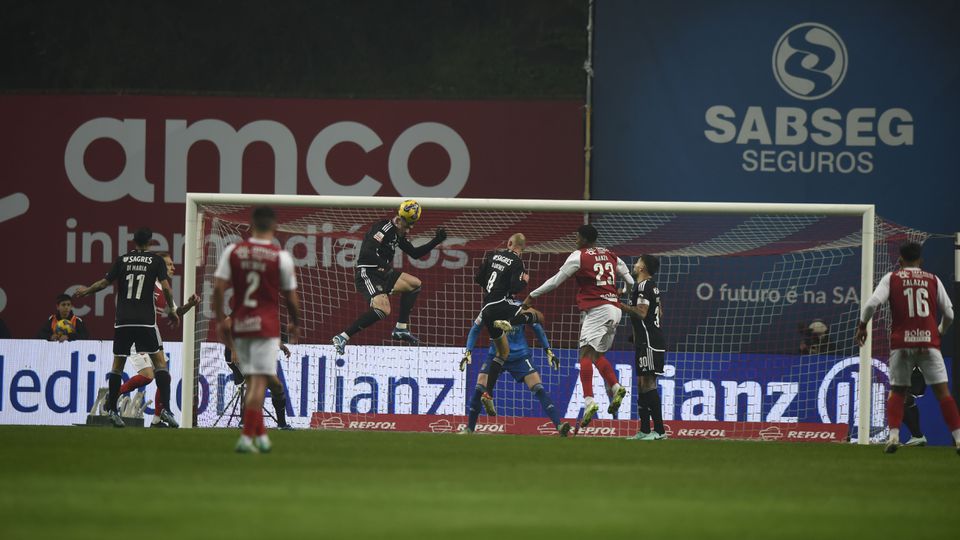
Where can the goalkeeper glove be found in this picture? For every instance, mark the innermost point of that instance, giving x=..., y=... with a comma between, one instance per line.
x=440, y=235
x=465, y=361
x=552, y=359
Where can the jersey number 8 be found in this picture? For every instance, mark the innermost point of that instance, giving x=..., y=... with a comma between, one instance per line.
x=493, y=278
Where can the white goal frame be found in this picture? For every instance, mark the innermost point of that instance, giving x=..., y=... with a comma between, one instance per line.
x=193, y=243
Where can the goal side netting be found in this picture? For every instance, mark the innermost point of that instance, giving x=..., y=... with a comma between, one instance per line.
x=759, y=312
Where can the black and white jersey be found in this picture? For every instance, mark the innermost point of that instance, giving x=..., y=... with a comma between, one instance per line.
x=647, y=331
x=380, y=245
x=135, y=275
x=500, y=276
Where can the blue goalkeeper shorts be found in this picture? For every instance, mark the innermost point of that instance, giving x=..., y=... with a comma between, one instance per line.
x=519, y=368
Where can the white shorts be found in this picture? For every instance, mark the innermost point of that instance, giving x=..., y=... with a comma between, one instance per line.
x=141, y=361
x=930, y=362
x=598, y=326
x=257, y=356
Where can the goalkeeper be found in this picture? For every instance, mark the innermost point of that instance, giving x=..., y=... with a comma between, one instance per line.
x=518, y=364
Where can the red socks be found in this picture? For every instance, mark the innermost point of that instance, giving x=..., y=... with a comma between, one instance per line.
x=158, y=406
x=949, y=409
x=252, y=422
x=586, y=376
x=137, y=381
x=607, y=372
x=895, y=410
x=261, y=426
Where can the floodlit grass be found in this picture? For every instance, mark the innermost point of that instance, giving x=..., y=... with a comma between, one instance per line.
x=104, y=483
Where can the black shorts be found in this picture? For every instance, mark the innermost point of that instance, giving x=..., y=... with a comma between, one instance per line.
x=504, y=310
x=375, y=281
x=146, y=338
x=649, y=361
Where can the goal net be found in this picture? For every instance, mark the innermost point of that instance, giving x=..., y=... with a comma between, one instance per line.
x=760, y=303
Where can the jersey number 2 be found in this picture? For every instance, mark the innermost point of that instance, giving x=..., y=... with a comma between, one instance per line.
x=253, y=283
x=918, y=298
x=604, y=270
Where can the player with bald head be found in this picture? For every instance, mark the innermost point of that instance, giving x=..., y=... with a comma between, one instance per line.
x=501, y=275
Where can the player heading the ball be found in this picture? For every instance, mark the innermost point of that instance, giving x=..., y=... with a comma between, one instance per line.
x=376, y=278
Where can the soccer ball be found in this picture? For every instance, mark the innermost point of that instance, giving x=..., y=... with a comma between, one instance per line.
x=409, y=211
x=64, y=327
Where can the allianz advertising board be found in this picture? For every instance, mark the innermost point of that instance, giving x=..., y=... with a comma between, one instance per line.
x=790, y=102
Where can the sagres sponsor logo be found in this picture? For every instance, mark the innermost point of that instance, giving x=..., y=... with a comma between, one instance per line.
x=373, y=425
x=838, y=395
x=810, y=63
x=334, y=422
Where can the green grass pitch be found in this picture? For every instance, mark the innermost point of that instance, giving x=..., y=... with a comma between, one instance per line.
x=139, y=483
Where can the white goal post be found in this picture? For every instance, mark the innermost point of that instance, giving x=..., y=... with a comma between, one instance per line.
x=194, y=242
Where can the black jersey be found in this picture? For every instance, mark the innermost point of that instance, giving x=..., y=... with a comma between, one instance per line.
x=381, y=242
x=647, y=331
x=500, y=276
x=135, y=275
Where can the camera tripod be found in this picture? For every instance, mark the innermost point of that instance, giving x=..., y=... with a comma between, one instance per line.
x=235, y=407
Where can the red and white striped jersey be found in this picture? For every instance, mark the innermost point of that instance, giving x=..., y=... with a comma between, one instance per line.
x=257, y=270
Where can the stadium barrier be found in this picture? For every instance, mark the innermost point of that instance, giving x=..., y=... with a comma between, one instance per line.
x=45, y=383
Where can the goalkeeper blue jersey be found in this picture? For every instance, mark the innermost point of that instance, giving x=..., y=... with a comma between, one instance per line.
x=517, y=339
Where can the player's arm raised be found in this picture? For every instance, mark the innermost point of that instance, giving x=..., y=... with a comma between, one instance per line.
x=419, y=251
x=569, y=268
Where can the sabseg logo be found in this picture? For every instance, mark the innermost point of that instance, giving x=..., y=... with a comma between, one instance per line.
x=810, y=62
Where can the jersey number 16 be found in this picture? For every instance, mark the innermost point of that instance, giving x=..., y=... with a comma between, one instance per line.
x=918, y=298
